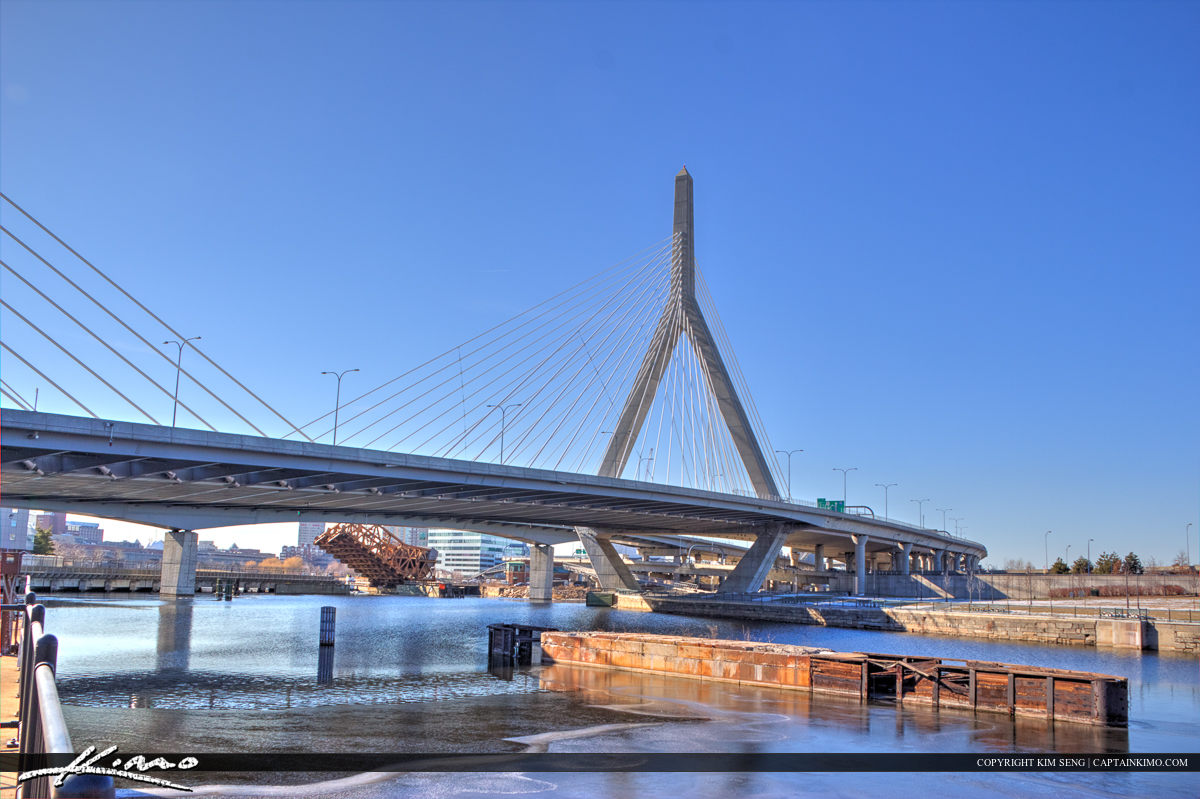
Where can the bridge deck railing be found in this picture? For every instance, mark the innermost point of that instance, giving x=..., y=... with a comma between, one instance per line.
x=107, y=569
x=41, y=726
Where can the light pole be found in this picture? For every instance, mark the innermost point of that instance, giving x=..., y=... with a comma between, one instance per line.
x=943, y=510
x=844, y=472
x=178, y=369
x=1068, y=559
x=337, y=400
x=789, y=453
x=956, y=520
x=1187, y=538
x=920, y=510
x=1089, y=555
x=1046, y=548
x=503, y=410
x=885, y=487
x=647, y=459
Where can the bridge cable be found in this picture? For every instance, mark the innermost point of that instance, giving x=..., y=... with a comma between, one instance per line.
x=124, y=324
x=15, y=395
x=475, y=380
x=158, y=319
x=564, y=306
x=72, y=356
x=510, y=390
x=529, y=312
x=605, y=324
x=94, y=335
x=47, y=379
x=487, y=369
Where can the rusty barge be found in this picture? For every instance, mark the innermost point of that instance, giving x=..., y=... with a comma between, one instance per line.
x=1054, y=694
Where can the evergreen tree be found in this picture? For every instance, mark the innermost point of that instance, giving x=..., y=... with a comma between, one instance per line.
x=1107, y=563
x=42, y=543
x=1081, y=565
x=1133, y=564
x=1059, y=567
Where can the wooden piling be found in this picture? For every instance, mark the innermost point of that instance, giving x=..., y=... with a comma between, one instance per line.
x=327, y=625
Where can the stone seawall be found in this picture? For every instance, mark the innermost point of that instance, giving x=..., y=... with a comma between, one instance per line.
x=1164, y=636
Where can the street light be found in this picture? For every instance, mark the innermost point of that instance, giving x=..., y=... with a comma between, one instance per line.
x=1068, y=555
x=1046, y=549
x=789, y=453
x=178, y=369
x=920, y=510
x=647, y=459
x=844, y=472
x=943, y=510
x=337, y=400
x=1187, y=537
x=503, y=410
x=956, y=520
x=1089, y=563
x=885, y=487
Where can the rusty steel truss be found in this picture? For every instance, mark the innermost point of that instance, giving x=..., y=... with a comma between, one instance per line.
x=376, y=554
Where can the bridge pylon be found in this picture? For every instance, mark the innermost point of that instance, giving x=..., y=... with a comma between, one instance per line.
x=681, y=316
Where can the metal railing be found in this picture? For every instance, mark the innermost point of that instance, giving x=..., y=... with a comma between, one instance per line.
x=1043, y=607
x=41, y=726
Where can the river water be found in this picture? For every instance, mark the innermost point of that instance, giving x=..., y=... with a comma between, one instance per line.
x=409, y=675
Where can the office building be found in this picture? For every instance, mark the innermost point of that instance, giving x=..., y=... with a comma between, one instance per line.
x=308, y=532
x=466, y=553
x=15, y=532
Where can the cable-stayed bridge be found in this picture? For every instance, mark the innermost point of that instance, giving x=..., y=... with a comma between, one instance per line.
x=616, y=407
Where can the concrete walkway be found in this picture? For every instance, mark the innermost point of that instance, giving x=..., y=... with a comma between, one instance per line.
x=8, y=712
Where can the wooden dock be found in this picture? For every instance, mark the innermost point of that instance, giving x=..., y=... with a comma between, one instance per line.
x=1055, y=694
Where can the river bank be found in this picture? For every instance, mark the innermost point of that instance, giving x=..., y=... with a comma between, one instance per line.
x=1150, y=628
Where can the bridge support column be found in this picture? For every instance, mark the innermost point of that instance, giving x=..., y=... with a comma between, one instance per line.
x=905, y=556
x=860, y=563
x=541, y=573
x=751, y=571
x=819, y=557
x=178, y=564
x=612, y=573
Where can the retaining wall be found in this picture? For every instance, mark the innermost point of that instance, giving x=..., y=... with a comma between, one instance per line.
x=1165, y=636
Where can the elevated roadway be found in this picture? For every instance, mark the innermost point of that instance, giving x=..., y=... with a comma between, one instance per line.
x=193, y=479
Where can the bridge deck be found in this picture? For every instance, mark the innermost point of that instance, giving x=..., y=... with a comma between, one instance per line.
x=198, y=479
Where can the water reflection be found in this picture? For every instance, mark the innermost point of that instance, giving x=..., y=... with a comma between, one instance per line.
x=174, y=634
x=325, y=665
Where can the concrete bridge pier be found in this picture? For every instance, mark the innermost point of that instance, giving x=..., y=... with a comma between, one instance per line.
x=541, y=573
x=612, y=573
x=905, y=557
x=751, y=571
x=819, y=558
x=178, y=564
x=860, y=562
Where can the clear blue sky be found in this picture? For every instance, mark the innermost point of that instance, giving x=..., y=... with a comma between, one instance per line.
x=955, y=244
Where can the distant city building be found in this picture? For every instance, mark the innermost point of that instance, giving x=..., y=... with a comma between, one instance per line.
x=515, y=549
x=308, y=532
x=15, y=531
x=414, y=536
x=468, y=553
x=86, y=532
x=56, y=523
x=309, y=553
